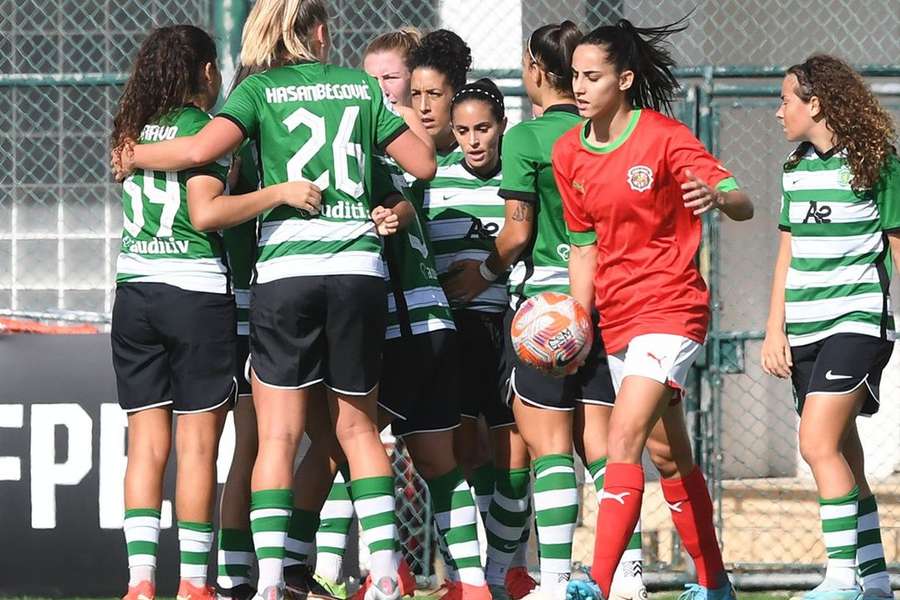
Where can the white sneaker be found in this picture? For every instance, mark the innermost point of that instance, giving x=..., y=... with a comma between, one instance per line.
x=273, y=592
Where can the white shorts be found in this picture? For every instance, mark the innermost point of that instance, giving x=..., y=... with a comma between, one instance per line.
x=661, y=357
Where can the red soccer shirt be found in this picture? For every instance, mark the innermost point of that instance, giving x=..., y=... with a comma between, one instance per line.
x=627, y=195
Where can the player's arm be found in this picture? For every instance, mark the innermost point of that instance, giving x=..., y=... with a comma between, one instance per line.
x=776, y=351
x=582, y=266
x=470, y=278
x=395, y=213
x=413, y=155
x=218, y=138
x=894, y=241
x=210, y=209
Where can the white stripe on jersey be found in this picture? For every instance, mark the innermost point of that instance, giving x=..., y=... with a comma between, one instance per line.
x=832, y=179
x=419, y=327
x=835, y=246
x=438, y=198
x=842, y=327
x=315, y=230
x=540, y=276
x=822, y=310
x=841, y=212
x=420, y=297
x=456, y=229
x=193, y=274
x=849, y=275
x=341, y=263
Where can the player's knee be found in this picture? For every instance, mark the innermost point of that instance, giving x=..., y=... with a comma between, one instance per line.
x=815, y=451
x=625, y=445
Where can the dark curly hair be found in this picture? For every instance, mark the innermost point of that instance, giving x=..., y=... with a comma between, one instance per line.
x=446, y=53
x=166, y=72
x=644, y=52
x=861, y=126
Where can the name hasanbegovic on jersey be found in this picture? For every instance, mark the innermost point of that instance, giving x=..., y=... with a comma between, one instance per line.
x=463, y=216
x=319, y=123
x=159, y=243
x=840, y=271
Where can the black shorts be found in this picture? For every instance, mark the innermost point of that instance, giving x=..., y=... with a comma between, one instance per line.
x=419, y=382
x=319, y=328
x=592, y=384
x=241, y=372
x=839, y=364
x=481, y=367
x=173, y=347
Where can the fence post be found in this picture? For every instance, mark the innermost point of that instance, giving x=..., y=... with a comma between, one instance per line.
x=229, y=17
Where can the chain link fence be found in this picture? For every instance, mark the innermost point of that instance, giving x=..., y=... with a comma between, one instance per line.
x=62, y=63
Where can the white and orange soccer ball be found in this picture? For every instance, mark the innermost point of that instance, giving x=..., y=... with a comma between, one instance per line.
x=552, y=333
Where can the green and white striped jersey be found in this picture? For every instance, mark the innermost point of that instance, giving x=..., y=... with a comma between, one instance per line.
x=840, y=267
x=528, y=177
x=463, y=215
x=416, y=301
x=159, y=243
x=240, y=241
x=319, y=123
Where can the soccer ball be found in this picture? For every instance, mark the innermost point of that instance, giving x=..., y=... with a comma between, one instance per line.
x=552, y=333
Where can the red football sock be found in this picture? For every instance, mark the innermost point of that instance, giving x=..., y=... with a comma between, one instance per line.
x=620, y=509
x=692, y=514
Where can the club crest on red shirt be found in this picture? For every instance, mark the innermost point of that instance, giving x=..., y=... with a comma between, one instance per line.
x=640, y=178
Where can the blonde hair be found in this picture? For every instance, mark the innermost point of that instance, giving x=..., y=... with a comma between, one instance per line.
x=279, y=31
x=403, y=41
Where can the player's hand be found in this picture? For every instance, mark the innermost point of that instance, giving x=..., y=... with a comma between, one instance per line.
x=465, y=281
x=386, y=221
x=776, y=354
x=302, y=195
x=699, y=196
x=122, y=160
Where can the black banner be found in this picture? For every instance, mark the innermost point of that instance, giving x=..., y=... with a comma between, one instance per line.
x=62, y=465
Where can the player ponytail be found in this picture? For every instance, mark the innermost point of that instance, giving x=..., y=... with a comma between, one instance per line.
x=167, y=72
x=483, y=90
x=861, y=125
x=446, y=53
x=550, y=48
x=279, y=32
x=643, y=51
x=404, y=42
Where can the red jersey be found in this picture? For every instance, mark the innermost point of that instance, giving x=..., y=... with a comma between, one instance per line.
x=626, y=197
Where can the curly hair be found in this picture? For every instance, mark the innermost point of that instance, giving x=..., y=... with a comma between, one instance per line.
x=861, y=126
x=166, y=73
x=445, y=52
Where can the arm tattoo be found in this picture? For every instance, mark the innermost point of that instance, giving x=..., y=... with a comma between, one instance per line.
x=521, y=212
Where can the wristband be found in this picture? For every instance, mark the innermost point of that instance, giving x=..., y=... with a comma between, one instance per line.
x=486, y=273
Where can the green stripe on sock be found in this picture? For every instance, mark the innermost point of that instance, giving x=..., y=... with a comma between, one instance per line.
x=141, y=548
x=594, y=468
x=279, y=498
x=143, y=512
x=199, y=527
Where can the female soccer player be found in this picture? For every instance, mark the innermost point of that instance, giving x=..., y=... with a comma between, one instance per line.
x=633, y=183
x=463, y=213
x=318, y=306
x=386, y=58
x=830, y=325
x=534, y=235
x=173, y=329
